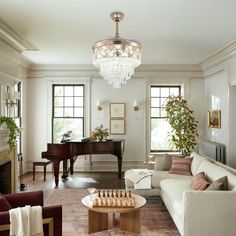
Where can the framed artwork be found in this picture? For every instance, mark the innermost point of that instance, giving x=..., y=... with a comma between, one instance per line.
x=214, y=119
x=117, y=126
x=117, y=110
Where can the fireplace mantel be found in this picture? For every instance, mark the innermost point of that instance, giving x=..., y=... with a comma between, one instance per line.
x=6, y=156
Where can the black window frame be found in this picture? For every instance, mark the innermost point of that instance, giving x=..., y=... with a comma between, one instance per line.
x=64, y=117
x=160, y=107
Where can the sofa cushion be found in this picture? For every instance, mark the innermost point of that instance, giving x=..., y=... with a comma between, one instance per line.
x=197, y=159
x=181, y=166
x=163, y=163
x=199, y=181
x=173, y=189
x=214, y=172
x=219, y=184
x=4, y=204
x=156, y=177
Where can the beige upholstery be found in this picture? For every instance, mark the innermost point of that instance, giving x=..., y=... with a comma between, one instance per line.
x=197, y=213
x=196, y=162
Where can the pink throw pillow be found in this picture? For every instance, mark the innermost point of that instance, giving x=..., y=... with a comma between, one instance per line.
x=199, y=181
x=181, y=166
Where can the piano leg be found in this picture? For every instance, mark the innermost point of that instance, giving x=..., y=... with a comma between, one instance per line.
x=72, y=166
x=119, y=167
x=65, y=169
x=56, y=165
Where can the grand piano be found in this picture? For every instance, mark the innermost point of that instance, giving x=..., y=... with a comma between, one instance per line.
x=57, y=152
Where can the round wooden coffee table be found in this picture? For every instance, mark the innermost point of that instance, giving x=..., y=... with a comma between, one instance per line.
x=129, y=217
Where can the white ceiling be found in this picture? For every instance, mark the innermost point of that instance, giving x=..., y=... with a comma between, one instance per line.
x=170, y=31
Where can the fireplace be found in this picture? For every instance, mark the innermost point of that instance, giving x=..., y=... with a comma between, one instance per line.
x=5, y=178
x=8, y=171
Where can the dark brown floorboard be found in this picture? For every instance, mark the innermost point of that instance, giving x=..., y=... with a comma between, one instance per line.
x=99, y=180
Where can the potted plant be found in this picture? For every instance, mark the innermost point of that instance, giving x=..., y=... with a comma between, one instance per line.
x=13, y=130
x=99, y=133
x=184, y=126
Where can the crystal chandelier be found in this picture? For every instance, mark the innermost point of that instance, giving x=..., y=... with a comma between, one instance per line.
x=117, y=57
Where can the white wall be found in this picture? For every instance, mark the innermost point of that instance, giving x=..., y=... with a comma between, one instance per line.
x=220, y=74
x=217, y=97
x=136, y=140
x=232, y=124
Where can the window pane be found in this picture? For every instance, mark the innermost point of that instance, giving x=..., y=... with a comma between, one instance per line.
x=164, y=92
x=69, y=102
x=155, y=102
x=79, y=112
x=58, y=101
x=58, y=91
x=78, y=101
x=155, y=92
x=163, y=112
x=69, y=91
x=58, y=112
x=62, y=125
x=69, y=112
x=163, y=102
x=155, y=112
x=159, y=135
x=79, y=91
x=159, y=126
x=174, y=91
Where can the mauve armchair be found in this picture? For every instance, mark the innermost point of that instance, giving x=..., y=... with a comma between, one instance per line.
x=52, y=215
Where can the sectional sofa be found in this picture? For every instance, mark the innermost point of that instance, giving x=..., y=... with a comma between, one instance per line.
x=195, y=213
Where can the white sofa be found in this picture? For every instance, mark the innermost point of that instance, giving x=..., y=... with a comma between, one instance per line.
x=197, y=213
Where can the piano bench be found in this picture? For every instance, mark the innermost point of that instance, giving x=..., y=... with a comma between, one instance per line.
x=41, y=163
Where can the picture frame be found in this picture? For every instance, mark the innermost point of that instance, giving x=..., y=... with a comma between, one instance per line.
x=117, y=110
x=214, y=118
x=117, y=126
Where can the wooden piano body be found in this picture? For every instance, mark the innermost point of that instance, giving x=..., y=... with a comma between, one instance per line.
x=57, y=152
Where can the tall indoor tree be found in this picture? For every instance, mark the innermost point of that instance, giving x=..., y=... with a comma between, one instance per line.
x=184, y=132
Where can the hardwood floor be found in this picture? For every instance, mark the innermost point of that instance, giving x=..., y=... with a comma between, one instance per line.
x=99, y=180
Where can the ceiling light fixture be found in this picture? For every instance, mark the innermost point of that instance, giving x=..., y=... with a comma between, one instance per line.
x=117, y=57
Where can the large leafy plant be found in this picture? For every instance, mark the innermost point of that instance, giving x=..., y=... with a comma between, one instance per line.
x=183, y=124
x=13, y=130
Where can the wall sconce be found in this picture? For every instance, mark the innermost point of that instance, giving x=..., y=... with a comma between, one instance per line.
x=99, y=106
x=11, y=99
x=136, y=106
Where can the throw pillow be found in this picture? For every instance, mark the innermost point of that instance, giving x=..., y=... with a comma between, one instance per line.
x=4, y=204
x=199, y=181
x=219, y=184
x=181, y=166
x=163, y=163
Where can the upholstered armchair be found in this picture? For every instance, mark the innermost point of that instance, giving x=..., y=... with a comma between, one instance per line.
x=52, y=215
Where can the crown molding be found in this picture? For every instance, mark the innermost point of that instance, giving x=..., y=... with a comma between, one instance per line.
x=225, y=53
x=13, y=39
x=142, y=71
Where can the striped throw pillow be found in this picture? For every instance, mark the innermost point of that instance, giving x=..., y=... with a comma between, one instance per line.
x=181, y=166
x=199, y=181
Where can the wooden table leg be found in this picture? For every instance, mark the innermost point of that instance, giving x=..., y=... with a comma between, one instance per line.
x=97, y=221
x=130, y=221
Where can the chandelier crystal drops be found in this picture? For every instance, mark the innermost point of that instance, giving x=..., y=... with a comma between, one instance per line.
x=116, y=57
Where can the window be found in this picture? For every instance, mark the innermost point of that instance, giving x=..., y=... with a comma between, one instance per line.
x=17, y=114
x=158, y=123
x=68, y=111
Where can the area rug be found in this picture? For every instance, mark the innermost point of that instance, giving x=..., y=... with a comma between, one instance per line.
x=155, y=219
